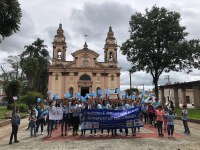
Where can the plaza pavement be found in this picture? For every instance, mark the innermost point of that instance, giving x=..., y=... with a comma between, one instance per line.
x=147, y=139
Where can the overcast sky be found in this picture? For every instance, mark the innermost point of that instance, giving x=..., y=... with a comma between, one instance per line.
x=78, y=17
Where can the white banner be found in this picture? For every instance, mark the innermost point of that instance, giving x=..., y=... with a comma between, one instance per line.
x=56, y=114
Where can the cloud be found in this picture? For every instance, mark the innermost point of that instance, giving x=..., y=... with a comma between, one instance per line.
x=15, y=43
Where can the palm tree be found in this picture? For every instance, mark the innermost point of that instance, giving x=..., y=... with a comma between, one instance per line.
x=37, y=50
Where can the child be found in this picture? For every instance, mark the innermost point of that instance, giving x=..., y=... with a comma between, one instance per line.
x=184, y=118
x=170, y=123
x=33, y=119
x=159, y=119
x=15, y=125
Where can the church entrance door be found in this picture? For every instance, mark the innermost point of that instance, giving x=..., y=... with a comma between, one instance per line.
x=84, y=91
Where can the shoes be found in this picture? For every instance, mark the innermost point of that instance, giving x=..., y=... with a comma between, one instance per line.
x=62, y=134
x=42, y=133
x=169, y=136
x=133, y=134
x=16, y=141
x=161, y=134
x=10, y=142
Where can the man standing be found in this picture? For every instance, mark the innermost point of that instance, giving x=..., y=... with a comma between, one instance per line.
x=15, y=121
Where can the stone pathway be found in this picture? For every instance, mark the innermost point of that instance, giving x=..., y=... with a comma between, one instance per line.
x=147, y=139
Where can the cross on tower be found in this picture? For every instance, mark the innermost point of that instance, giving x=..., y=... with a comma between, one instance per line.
x=85, y=35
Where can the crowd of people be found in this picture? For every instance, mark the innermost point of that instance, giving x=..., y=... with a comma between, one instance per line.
x=152, y=113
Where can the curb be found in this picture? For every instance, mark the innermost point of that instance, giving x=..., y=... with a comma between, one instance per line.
x=190, y=120
x=7, y=121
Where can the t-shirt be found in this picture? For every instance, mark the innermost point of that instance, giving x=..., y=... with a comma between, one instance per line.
x=156, y=104
x=170, y=119
x=184, y=114
x=159, y=115
x=126, y=106
x=74, y=110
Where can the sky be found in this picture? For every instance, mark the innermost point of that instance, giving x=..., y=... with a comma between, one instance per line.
x=78, y=17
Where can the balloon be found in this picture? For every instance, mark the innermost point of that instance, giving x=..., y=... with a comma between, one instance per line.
x=117, y=91
x=38, y=100
x=99, y=92
x=93, y=94
x=67, y=95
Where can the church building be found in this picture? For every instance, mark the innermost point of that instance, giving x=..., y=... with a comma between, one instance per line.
x=85, y=73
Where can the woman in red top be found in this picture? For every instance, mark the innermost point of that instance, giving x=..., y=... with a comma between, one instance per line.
x=160, y=118
x=151, y=113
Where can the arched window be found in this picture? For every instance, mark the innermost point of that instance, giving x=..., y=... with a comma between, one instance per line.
x=71, y=91
x=59, y=55
x=56, y=78
x=112, y=78
x=110, y=56
x=85, y=77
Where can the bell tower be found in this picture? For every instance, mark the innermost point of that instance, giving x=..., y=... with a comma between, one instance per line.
x=59, y=45
x=110, y=48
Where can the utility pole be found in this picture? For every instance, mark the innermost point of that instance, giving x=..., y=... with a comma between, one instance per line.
x=168, y=79
x=130, y=79
x=168, y=82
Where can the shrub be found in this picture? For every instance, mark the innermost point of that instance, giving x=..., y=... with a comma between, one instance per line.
x=31, y=98
x=22, y=107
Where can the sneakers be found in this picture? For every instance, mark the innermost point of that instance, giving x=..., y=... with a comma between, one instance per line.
x=16, y=141
x=42, y=133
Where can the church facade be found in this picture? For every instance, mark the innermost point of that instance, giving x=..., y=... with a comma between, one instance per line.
x=85, y=73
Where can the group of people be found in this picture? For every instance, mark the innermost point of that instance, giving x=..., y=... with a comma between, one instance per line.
x=152, y=113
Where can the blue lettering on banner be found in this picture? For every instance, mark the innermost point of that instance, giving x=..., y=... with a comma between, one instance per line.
x=111, y=119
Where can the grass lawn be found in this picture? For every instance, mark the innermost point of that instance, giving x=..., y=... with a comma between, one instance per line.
x=192, y=113
x=4, y=109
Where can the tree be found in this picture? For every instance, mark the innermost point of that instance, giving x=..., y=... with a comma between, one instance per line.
x=157, y=43
x=10, y=16
x=12, y=88
x=12, y=62
x=34, y=62
x=130, y=91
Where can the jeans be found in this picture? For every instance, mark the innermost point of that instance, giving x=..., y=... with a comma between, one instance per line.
x=40, y=123
x=50, y=127
x=76, y=122
x=33, y=128
x=14, y=132
x=170, y=129
x=160, y=127
x=145, y=116
x=185, y=124
x=64, y=124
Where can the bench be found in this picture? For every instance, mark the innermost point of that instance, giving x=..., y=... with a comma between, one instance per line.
x=8, y=114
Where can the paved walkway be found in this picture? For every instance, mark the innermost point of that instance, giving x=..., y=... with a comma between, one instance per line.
x=147, y=139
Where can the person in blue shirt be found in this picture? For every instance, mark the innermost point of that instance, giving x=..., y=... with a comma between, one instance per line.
x=65, y=120
x=170, y=123
x=185, y=120
x=15, y=125
x=40, y=119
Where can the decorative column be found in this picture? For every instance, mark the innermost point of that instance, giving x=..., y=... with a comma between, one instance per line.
x=176, y=100
x=196, y=95
x=183, y=91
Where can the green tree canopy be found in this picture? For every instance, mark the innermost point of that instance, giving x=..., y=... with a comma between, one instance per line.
x=12, y=88
x=34, y=63
x=10, y=16
x=157, y=43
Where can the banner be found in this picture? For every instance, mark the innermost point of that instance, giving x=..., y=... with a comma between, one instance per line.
x=56, y=114
x=111, y=119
